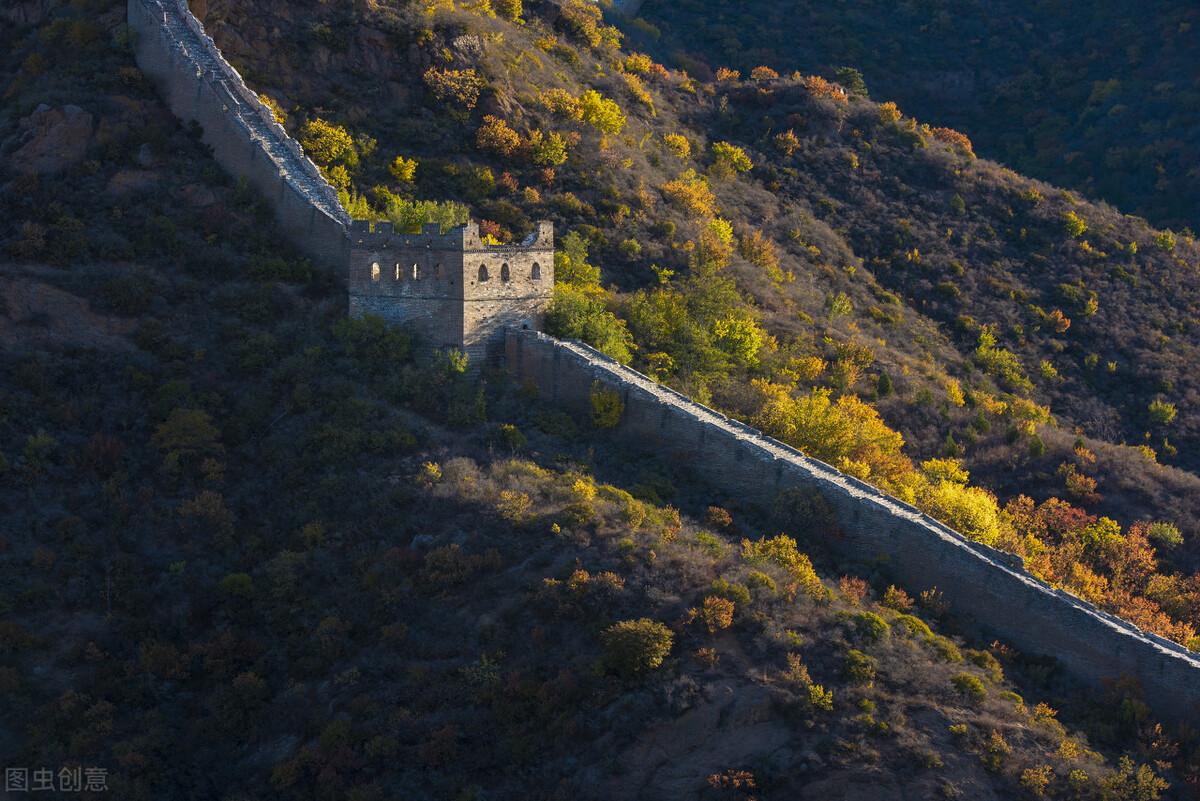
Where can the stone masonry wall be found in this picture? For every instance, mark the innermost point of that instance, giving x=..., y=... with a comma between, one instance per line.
x=985, y=585
x=200, y=85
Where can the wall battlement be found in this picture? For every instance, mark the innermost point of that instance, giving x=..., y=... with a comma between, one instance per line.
x=456, y=290
x=988, y=586
x=199, y=85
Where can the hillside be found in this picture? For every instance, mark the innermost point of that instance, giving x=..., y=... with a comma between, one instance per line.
x=1100, y=98
x=771, y=246
x=252, y=549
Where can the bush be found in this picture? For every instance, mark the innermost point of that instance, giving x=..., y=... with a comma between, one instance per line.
x=969, y=685
x=1162, y=412
x=1074, y=225
x=678, y=145
x=459, y=87
x=601, y=113
x=715, y=613
x=402, y=169
x=607, y=406
x=496, y=136
x=859, y=668
x=636, y=646
x=870, y=626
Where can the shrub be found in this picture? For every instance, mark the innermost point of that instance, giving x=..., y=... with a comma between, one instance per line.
x=561, y=102
x=715, y=613
x=853, y=589
x=781, y=550
x=636, y=646
x=513, y=506
x=1165, y=534
x=459, y=87
x=509, y=9
x=402, y=169
x=601, y=113
x=607, y=406
x=577, y=314
x=1162, y=412
x=690, y=192
x=955, y=139
x=729, y=158
x=914, y=626
x=1165, y=241
x=896, y=598
x=547, y=150
x=859, y=668
x=945, y=648
x=678, y=145
x=763, y=74
x=737, y=593
x=1074, y=225
x=995, y=752
x=496, y=136
x=870, y=626
x=969, y=685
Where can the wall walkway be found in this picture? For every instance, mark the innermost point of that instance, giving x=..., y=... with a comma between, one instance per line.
x=199, y=85
x=981, y=583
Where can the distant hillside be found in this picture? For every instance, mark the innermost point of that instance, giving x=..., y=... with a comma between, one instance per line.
x=1101, y=97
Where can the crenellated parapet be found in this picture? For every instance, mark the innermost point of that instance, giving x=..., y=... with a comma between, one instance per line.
x=456, y=289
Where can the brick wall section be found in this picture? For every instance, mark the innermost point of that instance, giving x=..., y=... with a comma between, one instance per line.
x=983, y=584
x=200, y=85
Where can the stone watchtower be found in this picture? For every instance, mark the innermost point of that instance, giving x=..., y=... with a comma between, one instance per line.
x=453, y=289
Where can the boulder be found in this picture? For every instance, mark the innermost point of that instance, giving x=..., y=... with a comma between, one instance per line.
x=53, y=139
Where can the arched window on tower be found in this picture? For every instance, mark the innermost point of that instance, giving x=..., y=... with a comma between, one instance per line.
x=437, y=270
x=505, y=275
x=397, y=272
x=536, y=272
x=416, y=272
x=483, y=273
x=375, y=271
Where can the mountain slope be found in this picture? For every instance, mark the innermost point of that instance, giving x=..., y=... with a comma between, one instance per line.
x=1101, y=98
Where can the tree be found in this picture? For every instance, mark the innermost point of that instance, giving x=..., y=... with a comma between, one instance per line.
x=509, y=9
x=847, y=433
x=496, y=136
x=730, y=159
x=457, y=87
x=1162, y=412
x=188, y=435
x=852, y=80
x=601, y=113
x=327, y=143
x=1074, y=225
x=402, y=169
x=547, y=150
x=636, y=646
x=576, y=313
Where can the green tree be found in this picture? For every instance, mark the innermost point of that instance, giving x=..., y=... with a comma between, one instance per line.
x=636, y=646
x=852, y=81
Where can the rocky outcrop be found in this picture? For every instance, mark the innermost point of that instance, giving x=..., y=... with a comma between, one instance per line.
x=53, y=139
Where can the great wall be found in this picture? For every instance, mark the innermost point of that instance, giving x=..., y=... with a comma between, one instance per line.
x=989, y=587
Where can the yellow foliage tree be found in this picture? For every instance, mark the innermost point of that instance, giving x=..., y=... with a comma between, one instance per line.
x=847, y=433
